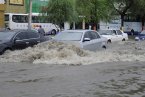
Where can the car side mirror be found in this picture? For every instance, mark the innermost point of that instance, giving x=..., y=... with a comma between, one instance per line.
x=16, y=39
x=86, y=39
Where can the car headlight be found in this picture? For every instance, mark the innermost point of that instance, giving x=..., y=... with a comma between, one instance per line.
x=142, y=38
x=137, y=38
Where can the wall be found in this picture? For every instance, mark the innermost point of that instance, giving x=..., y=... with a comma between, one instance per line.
x=2, y=8
x=15, y=6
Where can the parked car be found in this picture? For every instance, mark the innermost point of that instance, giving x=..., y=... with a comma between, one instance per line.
x=114, y=35
x=19, y=39
x=132, y=33
x=86, y=39
x=140, y=36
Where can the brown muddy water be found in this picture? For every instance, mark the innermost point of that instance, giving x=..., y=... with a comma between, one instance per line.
x=60, y=53
x=54, y=69
x=109, y=79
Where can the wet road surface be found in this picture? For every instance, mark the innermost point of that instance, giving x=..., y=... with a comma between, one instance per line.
x=114, y=79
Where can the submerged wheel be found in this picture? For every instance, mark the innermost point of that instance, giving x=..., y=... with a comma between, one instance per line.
x=4, y=50
x=109, y=41
x=123, y=39
x=53, y=32
x=104, y=47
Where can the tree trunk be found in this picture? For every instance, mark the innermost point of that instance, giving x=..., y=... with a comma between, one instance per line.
x=143, y=23
x=83, y=24
x=122, y=20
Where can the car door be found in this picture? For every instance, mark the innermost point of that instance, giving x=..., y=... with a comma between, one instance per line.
x=20, y=40
x=97, y=40
x=33, y=37
x=114, y=35
x=120, y=35
x=86, y=44
x=93, y=43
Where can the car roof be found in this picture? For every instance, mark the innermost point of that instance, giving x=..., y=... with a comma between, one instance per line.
x=16, y=30
x=78, y=30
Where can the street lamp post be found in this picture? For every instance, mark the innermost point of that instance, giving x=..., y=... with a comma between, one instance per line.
x=30, y=14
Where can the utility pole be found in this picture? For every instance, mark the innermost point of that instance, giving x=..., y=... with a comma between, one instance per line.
x=30, y=14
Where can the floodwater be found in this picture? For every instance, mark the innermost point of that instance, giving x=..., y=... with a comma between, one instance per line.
x=54, y=69
x=110, y=79
x=60, y=53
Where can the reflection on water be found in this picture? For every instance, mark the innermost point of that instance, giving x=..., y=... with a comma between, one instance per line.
x=128, y=82
x=98, y=80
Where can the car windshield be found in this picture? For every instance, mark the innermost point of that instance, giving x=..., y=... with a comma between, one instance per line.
x=6, y=35
x=143, y=32
x=70, y=36
x=105, y=32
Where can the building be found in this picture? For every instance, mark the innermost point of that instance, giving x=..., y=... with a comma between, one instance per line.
x=11, y=6
x=15, y=6
x=37, y=5
x=2, y=9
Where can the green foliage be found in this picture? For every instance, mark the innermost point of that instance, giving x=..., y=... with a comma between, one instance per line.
x=94, y=10
x=59, y=11
x=138, y=8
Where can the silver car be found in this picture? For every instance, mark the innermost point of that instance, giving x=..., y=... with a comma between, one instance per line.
x=113, y=35
x=86, y=39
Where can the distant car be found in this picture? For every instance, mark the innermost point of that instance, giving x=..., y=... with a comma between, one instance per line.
x=19, y=39
x=114, y=35
x=132, y=33
x=86, y=39
x=140, y=36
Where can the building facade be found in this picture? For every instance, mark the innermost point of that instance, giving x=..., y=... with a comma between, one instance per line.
x=2, y=9
x=11, y=6
x=15, y=6
x=37, y=5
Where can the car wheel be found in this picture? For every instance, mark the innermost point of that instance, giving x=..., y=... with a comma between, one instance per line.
x=123, y=39
x=4, y=51
x=53, y=32
x=104, y=47
x=109, y=41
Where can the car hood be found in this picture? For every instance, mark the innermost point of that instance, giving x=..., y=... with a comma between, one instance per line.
x=141, y=35
x=3, y=41
x=107, y=36
x=76, y=43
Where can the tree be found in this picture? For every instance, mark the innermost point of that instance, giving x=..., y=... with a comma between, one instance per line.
x=138, y=10
x=122, y=7
x=100, y=11
x=94, y=10
x=60, y=11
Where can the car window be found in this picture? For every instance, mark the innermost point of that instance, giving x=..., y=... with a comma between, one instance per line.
x=105, y=32
x=68, y=36
x=6, y=35
x=114, y=32
x=95, y=34
x=92, y=35
x=143, y=32
x=86, y=35
x=33, y=34
x=119, y=32
x=21, y=36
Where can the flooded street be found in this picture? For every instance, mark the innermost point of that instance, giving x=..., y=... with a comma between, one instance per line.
x=54, y=69
x=113, y=79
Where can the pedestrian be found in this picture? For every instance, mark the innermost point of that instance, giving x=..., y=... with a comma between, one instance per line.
x=132, y=32
x=41, y=31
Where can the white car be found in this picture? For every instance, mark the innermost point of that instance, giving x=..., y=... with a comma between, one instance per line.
x=86, y=39
x=114, y=35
